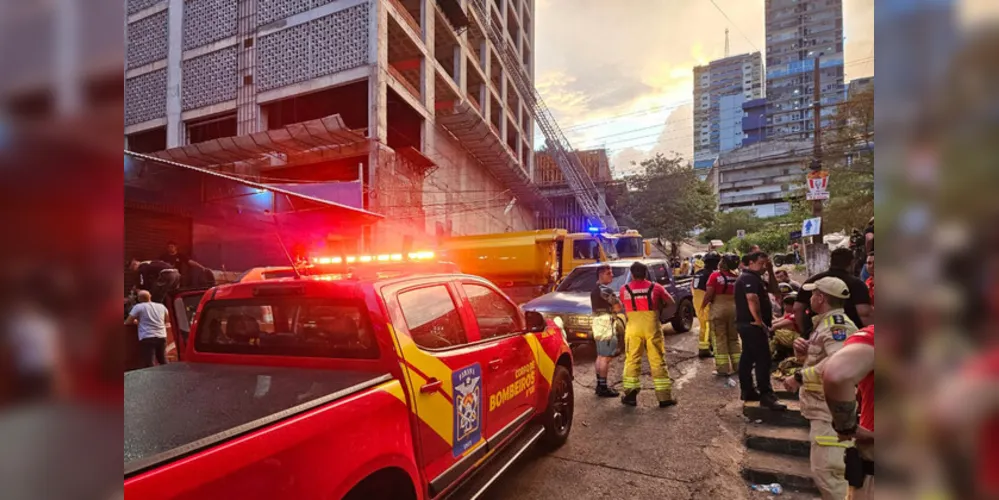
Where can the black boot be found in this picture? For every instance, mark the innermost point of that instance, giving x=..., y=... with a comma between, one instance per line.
x=606, y=392
x=705, y=353
x=630, y=398
x=750, y=395
x=667, y=404
x=769, y=401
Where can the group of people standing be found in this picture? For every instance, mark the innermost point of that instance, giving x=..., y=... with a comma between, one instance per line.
x=732, y=300
x=156, y=279
x=832, y=313
x=640, y=300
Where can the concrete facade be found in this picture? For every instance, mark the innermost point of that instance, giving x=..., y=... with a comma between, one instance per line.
x=858, y=85
x=566, y=213
x=761, y=177
x=198, y=70
x=720, y=87
x=799, y=32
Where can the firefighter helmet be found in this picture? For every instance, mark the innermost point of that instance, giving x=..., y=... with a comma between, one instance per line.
x=730, y=262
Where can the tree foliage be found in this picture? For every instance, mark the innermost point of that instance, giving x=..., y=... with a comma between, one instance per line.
x=848, y=155
x=728, y=224
x=667, y=200
x=772, y=239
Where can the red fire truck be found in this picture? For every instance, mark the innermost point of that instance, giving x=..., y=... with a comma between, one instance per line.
x=387, y=379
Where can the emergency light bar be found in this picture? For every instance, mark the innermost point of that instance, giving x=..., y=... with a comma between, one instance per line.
x=365, y=259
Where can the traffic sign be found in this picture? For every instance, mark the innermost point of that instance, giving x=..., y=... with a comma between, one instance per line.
x=741, y=233
x=795, y=235
x=811, y=227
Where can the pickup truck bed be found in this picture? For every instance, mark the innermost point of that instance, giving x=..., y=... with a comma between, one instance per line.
x=177, y=409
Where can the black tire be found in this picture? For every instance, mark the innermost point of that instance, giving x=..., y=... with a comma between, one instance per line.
x=561, y=405
x=683, y=321
x=779, y=260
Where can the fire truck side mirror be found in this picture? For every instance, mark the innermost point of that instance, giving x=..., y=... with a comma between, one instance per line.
x=535, y=322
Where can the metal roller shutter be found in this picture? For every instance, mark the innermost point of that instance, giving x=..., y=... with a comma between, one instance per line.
x=147, y=233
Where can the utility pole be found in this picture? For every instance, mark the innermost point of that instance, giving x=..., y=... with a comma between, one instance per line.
x=817, y=141
x=726, y=42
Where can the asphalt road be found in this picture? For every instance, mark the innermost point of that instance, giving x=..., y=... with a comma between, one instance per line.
x=690, y=451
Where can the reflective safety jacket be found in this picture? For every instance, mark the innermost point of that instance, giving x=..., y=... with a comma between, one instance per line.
x=831, y=330
x=643, y=295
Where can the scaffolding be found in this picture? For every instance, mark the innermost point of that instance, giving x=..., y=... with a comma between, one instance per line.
x=592, y=202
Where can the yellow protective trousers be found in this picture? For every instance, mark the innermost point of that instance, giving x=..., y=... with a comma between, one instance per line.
x=644, y=335
x=728, y=349
x=705, y=342
x=827, y=460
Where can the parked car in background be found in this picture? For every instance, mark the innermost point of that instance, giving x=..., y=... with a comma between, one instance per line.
x=570, y=302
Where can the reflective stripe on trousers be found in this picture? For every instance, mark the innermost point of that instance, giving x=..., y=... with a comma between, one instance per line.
x=705, y=340
x=728, y=349
x=827, y=460
x=643, y=335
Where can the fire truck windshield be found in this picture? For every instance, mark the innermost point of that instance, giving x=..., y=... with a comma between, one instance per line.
x=630, y=247
x=286, y=326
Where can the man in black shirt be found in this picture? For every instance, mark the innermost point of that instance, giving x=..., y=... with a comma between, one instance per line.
x=606, y=305
x=156, y=276
x=858, y=306
x=753, y=317
x=173, y=257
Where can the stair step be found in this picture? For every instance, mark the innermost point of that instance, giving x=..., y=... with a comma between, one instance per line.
x=791, y=441
x=793, y=473
x=791, y=417
x=792, y=396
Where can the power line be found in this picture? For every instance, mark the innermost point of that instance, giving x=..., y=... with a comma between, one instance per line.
x=735, y=26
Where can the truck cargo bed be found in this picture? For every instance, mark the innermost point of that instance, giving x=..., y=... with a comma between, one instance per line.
x=177, y=409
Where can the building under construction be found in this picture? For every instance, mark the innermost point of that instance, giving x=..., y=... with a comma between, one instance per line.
x=566, y=211
x=417, y=109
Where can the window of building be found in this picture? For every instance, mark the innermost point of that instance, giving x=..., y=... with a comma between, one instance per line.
x=495, y=315
x=148, y=141
x=215, y=127
x=432, y=318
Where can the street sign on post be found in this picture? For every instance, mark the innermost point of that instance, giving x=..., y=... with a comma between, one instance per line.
x=818, y=185
x=795, y=235
x=741, y=233
x=811, y=227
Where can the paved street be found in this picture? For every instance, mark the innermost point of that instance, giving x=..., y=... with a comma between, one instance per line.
x=693, y=450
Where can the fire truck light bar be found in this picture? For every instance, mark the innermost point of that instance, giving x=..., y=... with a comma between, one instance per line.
x=364, y=259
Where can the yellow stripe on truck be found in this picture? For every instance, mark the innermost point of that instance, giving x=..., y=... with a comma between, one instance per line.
x=545, y=363
x=393, y=388
x=433, y=408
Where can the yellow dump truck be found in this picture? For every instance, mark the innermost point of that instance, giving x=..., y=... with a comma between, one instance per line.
x=527, y=264
x=631, y=245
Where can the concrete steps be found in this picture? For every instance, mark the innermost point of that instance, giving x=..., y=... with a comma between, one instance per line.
x=791, y=441
x=788, y=418
x=761, y=467
x=778, y=447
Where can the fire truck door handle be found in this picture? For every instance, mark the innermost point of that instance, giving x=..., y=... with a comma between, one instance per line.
x=495, y=364
x=431, y=386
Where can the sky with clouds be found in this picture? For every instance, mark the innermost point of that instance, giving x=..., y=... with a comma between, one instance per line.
x=619, y=73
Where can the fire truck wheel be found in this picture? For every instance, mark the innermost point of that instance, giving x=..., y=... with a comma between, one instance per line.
x=558, y=419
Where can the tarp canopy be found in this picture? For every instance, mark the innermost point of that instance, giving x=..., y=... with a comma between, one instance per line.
x=238, y=223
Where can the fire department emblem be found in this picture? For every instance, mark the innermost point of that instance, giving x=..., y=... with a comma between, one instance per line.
x=467, y=384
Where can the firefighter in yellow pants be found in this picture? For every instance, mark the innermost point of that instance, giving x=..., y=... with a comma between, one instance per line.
x=642, y=300
x=720, y=295
x=832, y=327
x=699, y=285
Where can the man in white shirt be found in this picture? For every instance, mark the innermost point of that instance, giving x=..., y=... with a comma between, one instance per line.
x=152, y=320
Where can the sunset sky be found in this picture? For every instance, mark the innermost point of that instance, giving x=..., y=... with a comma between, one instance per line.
x=619, y=73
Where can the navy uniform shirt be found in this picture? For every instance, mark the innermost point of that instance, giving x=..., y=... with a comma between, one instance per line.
x=750, y=283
